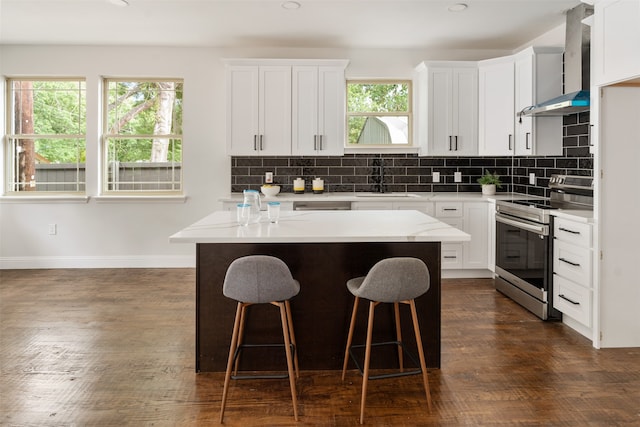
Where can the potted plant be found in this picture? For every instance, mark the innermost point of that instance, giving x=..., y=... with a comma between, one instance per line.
x=489, y=181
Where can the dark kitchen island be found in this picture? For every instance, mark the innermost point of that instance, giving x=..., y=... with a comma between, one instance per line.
x=323, y=249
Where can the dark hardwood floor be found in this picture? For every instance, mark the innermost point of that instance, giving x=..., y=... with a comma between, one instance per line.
x=116, y=347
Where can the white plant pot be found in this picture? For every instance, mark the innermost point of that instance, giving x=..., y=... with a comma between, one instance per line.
x=489, y=189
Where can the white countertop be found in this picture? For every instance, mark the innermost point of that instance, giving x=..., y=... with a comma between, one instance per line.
x=322, y=227
x=391, y=197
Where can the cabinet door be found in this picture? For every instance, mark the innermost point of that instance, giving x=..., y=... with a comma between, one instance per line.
x=242, y=110
x=465, y=111
x=440, y=111
x=476, y=251
x=524, y=99
x=259, y=110
x=275, y=110
x=318, y=110
x=453, y=109
x=538, y=78
x=370, y=206
x=496, y=109
x=305, y=109
x=616, y=41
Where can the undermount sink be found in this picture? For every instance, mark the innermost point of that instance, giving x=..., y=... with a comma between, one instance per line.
x=386, y=195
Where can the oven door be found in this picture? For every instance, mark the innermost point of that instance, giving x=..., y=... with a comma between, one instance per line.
x=523, y=260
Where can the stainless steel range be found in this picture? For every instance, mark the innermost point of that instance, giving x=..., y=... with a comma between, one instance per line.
x=524, y=242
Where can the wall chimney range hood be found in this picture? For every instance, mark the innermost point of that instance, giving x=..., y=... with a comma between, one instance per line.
x=576, y=69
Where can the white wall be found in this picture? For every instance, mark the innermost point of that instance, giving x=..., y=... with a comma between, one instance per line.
x=135, y=234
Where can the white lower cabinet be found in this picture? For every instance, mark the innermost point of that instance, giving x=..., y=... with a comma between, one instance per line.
x=572, y=273
x=472, y=218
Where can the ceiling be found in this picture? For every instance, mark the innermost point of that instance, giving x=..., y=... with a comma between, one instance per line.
x=421, y=24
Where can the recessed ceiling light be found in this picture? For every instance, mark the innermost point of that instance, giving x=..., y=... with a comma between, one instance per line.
x=290, y=5
x=458, y=7
x=121, y=3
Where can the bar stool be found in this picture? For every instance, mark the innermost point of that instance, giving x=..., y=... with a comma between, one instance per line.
x=392, y=280
x=261, y=279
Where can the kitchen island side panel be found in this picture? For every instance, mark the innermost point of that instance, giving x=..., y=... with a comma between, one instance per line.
x=321, y=310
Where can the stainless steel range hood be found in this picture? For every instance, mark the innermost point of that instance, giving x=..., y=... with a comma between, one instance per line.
x=576, y=69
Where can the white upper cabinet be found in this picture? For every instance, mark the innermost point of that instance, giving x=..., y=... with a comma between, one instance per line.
x=284, y=107
x=258, y=110
x=538, y=78
x=318, y=110
x=448, y=99
x=496, y=87
x=615, y=41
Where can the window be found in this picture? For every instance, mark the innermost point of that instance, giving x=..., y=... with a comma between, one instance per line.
x=378, y=113
x=142, y=136
x=46, y=135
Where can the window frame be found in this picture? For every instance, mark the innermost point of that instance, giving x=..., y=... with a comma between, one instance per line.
x=11, y=139
x=106, y=137
x=408, y=114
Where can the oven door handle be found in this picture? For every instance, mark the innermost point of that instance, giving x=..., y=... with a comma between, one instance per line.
x=538, y=229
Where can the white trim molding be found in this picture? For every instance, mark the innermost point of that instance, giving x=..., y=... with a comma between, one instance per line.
x=121, y=261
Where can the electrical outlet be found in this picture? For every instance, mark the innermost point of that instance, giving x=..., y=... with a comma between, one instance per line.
x=532, y=179
x=268, y=177
x=436, y=177
x=53, y=229
x=457, y=177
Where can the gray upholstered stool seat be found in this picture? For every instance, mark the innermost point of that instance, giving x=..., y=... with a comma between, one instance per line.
x=393, y=280
x=261, y=279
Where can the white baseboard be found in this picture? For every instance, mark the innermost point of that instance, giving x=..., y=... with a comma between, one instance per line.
x=123, y=261
x=466, y=274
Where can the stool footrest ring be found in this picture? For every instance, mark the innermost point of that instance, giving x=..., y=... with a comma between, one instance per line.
x=391, y=375
x=236, y=354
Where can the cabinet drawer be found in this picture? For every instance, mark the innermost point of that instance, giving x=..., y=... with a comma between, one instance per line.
x=573, y=232
x=451, y=255
x=449, y=209
x=572, y=262
x=572, y=300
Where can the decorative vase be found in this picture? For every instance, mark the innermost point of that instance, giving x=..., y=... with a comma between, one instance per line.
x=488, y=189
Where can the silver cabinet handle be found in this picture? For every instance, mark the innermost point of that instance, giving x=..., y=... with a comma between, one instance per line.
x=568, y=231
x=255, y=143
x=510, y=139
x=456, y=143
x=450, y=142
x=570, y=300
x=321, y=137
x=526, y=139
x=569, y=262
x=261, y=147
x=449, y=209
x=315, y=142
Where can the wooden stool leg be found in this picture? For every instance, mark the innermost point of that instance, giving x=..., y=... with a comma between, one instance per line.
x=287, y=348
x=243, y=314
x=396, y=312
x=232, y=348
x=287, y=305
x=367, y=359
x=423, y=365
x=352, y=325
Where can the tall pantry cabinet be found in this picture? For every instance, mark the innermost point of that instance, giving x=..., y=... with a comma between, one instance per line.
x=615, y=116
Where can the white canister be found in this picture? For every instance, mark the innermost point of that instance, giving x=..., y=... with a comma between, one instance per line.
x=318, y=185
x=298, y=186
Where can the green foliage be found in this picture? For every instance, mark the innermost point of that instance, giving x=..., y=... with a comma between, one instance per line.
x=377, y=97
x=490, y=178
x=373, y=99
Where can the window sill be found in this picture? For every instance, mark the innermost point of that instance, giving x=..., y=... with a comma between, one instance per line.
x=46, y=198
x=140, y=199
x=382, y=149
